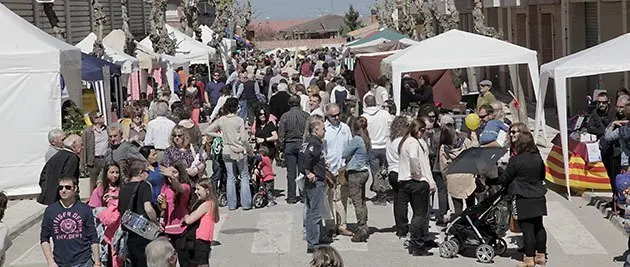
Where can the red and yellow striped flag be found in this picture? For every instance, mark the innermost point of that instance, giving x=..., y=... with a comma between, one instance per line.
x=582, y=175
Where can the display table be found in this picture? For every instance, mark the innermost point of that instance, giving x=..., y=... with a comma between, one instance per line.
x=582, y=174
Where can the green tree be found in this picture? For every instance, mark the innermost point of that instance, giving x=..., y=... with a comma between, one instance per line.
x=351, y=19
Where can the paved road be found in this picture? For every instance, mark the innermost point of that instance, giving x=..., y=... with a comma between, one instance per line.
x=577, y=236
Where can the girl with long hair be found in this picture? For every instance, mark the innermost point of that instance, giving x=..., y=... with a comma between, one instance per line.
x=104, y=201
x=416, y=183
x=355, y=153
x=397, y=131
x=200, y=222
x=174, y=200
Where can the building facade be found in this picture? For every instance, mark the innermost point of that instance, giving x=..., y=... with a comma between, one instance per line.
x=75, y=16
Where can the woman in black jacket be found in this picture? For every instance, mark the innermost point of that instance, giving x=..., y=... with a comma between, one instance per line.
x=524, y=177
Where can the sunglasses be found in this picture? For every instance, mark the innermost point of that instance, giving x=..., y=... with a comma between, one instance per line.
x=514, y=132
x=483, y=116
x=67, y=187
x=178, y=135
x=602, y=102
x=334, y=115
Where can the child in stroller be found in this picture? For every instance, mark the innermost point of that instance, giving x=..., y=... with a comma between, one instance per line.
x=481, y=226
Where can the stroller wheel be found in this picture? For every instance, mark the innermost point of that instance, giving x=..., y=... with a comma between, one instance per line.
x=484, y=253
x=458, y=244
x=500, y=246
x=259, y=200
x=222, y=200
x=446, y=250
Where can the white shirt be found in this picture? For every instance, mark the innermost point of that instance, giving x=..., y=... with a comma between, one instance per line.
x=392, y=155
x=158, y=132
x=414, y=162
x=304, y=103
x=220, y=103
x=318, y=111
x=335, y=140
x=101, y=142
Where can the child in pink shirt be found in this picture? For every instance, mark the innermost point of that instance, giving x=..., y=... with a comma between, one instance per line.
x=266, y=174
x=174, y=199
x=201, y=221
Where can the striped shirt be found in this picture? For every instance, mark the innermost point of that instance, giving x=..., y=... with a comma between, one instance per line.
x=292, y=125
x=349, y=62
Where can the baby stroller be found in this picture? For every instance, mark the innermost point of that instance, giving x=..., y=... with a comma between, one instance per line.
x=481, y=226
x=261, y=197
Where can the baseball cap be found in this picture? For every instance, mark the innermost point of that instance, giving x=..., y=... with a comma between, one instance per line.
x=486, y=83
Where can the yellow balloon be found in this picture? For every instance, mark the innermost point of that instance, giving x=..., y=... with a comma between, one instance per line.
x=473, y=121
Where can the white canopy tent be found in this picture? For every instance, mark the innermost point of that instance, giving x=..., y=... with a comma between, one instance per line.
x=128, y=64
x=146, y=57
x=34, y=67
x=186, y=47
x=458, y=49
x=611, y=56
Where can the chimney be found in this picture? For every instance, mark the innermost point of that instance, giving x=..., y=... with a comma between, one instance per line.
x=373, y=16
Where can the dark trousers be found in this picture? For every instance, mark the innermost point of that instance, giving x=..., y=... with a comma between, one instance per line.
x=442, y=196
x=458, y=205
x=291, y=152
x=137, y=256
x=534, y=236
x=378, y=160
x=95, y=171
x=218, y=169
x=356, y=189
x=400, y=209
x=417, y=194
x=315, y=193
x=269, y=186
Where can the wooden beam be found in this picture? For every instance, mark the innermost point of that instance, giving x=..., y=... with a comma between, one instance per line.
x=36, y=10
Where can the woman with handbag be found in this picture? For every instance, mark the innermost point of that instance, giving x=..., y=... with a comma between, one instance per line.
x=235, y=146
x=135, y=198
x=460, y=186
x=524, y=178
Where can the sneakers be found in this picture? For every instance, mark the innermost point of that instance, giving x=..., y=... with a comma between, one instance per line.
x=272, y=203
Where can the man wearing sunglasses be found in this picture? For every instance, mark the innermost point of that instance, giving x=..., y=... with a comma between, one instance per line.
x=485, y=96
x=69, y=224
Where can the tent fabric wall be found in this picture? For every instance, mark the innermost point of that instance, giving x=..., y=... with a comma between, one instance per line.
x=147, y=59
x=92, y=68
x=465, y=50
x=31, y=66
x=608, y=57
x=187, y=47
x=366, y=70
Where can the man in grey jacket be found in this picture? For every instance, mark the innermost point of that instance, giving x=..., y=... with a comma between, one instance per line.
x=120, y=150
x=95, y=143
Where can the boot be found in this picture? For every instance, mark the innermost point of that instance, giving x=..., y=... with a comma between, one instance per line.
x=527, y=262
x=345, y=232
x=541, y=259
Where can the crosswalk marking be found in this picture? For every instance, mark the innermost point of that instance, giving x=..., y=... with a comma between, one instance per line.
x=573, y=237
x=274, y=234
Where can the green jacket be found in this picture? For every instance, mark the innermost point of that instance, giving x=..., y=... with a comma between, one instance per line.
x=486, y=99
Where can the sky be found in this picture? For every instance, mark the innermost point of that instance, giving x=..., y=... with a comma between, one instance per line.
x=306, y=9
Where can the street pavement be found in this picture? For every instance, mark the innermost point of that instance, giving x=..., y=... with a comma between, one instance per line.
x=578, y=235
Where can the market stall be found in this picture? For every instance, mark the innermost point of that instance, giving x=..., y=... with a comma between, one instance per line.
x=35, y=68
x=458, y=49
x=104, y=78
x=611, y=56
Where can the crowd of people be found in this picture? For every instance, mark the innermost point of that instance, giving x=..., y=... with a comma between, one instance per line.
x=301, y=111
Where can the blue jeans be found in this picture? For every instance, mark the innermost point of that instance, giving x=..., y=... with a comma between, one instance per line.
x=291, y=154
x=88, y=263
x=246, y=195
x=315, y=193
x=242, y=111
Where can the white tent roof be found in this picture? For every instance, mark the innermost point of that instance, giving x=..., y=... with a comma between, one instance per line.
x=128, y=63
x=32, y=63
x=408, y=41
x=146, y=57
x=611, y=56
x=187, y=47
x=26, y=48
x=206, y=34
x=458, y=49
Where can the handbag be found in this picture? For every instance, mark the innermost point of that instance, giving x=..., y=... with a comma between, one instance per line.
x=514, y=228
x=137, y=223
